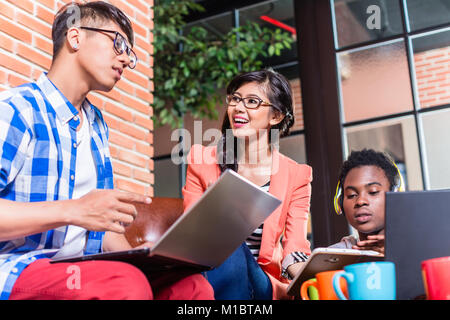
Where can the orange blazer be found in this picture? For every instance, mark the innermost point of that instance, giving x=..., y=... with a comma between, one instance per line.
x=285, y=230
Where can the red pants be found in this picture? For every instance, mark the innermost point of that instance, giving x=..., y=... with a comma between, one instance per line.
x=105, y=280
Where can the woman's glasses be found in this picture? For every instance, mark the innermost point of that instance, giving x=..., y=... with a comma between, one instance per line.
x=120, y=45
x=249, y=102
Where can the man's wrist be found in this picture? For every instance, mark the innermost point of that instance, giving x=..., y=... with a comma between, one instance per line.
x=66, y=209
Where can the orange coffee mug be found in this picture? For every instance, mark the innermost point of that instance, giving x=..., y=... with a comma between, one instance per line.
x=436, y=278
x=324, y=285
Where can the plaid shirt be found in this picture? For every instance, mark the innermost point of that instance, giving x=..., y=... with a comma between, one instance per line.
x=37, y=163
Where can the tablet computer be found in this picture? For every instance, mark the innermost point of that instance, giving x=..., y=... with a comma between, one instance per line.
x=327, y=259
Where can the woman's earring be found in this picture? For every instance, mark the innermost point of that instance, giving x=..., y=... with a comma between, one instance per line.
x=75, y=46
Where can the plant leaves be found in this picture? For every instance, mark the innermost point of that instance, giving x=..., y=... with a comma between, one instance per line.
x=191, y=67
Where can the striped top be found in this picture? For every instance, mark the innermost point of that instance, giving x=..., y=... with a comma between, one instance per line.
x=254, y=240
x=254, y=244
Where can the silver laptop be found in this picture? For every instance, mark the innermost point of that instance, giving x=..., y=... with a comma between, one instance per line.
x=209, y=231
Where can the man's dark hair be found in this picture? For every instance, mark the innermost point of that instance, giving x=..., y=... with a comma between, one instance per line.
x=370, y=157
x=97, y=12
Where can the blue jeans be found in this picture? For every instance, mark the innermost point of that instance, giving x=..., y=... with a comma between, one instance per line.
x=240, y=278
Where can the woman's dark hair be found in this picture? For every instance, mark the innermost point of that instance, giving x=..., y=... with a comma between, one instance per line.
x=370, y=157
x=97, y=11
x=279, y=93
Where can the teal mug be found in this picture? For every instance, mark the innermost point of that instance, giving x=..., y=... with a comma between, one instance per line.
x=367, y=281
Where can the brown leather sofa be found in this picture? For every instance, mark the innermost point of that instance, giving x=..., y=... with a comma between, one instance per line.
x=153, y=220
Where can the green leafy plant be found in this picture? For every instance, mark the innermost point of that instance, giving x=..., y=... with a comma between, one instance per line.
x=191, y=67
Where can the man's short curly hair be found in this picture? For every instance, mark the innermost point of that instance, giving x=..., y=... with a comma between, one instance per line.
x=370, y=157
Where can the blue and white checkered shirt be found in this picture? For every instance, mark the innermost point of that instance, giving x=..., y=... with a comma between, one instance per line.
x=37, y=163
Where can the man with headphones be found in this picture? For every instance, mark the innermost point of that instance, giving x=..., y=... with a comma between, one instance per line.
x=360, y=194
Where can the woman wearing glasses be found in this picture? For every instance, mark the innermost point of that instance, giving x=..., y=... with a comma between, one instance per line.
x=259, y=110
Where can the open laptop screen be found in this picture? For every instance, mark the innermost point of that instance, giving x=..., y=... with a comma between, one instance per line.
x=417, y=229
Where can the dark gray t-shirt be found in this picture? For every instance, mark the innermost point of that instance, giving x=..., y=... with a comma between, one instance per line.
x=346, y=243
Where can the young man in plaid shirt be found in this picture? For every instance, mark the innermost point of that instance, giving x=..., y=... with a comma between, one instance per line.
x=56, y=179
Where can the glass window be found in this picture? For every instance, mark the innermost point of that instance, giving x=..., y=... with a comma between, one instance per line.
x=277, y=14
x=396, y=137
x=294, y=147
x=374, y=81
x=289, y=70
x=366, y=20
x=167, y=179
x=423, y=14
x=436, y=131
x=298, y=104
x=432, y=68
x=216, y=26
x=273, y=15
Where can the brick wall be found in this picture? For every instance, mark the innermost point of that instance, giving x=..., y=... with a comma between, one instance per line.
x=26, y=51
x=433, y=77
x=298, y=105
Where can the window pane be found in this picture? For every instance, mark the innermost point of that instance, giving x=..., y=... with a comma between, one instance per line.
x=294, y=147
x=375, y=81
x=289, y=70
x=297, y=97
x=423, y=14
x=167, y=179
x=437, y=147
x=396, y=137
x=269, y=14
x=431, y=62
x=216, y=26
x=366, y=20
x=273, y=15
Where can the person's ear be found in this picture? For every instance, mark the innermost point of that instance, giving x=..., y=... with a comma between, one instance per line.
x=276, y=118
x=73, y=38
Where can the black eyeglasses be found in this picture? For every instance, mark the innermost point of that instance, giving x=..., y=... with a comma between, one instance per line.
x=249, y=102
x=120, y=45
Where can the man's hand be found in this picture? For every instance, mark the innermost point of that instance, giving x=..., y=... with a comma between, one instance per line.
x=105, y=210
x=375, y=243
x=147, y=244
